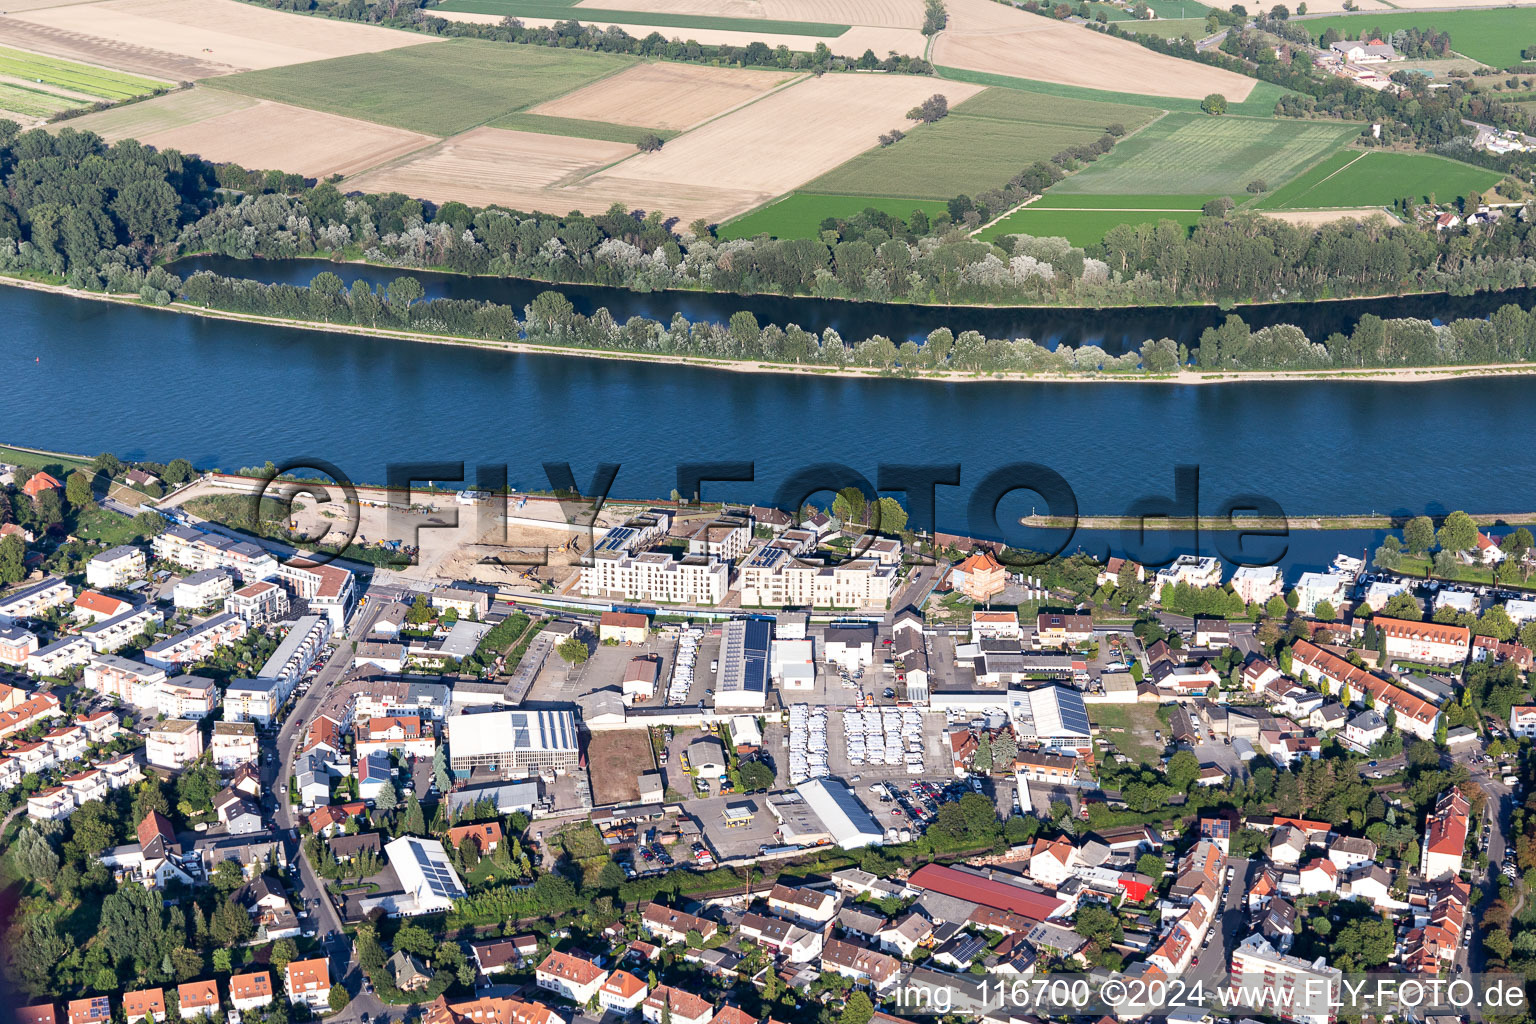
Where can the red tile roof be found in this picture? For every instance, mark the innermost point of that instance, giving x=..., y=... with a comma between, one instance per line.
x=985, y=891
x=43, y=1013
x=140, y=1004
x=570, y=968
x=250, y=986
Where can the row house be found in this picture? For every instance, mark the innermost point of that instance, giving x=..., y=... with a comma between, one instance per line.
x=668, y=925
x=258, y=603
x=298, y=652
x=1445, y=837
x=120, y=630
x=814, y=907
x=10, y=772
x=115, y=568
x=121, y=770
x=796, y=944
x=862, y=966
x=69, y=742
x=197, y=643
x=36, y=708
x=53, y=804
x=35, y=599
x=34, y=757
x=60, y=655
x=88, y=785
x=1415, y=716
x=1435, y=642
x=405, y=733
x=100, y=726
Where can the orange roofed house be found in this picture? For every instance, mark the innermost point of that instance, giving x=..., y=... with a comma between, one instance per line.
x=490, y=1010
x=198, y=999
x=146, y=1003
x=40, y=482
x=43, y=1013
x=486, y=836
x=309, y=982
x=1436, y=642
x=980, y=577
x=570, y=976
x=249, y=991
x=621, y=992
x=683, y=1007
x=95, y=1010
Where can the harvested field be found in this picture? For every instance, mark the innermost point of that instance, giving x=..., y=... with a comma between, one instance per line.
x=686, y=22
x=254, y=133
x=882, y=13
x=676, y=96
x=986, y=36
x=615, y=759
x=850, y=44
x=833, y=119
x=442, y=88
x=16, y=6
x=1313, y=218
x=182, y=40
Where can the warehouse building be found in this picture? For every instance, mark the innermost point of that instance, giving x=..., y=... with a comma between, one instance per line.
x=742, y=679
x=513, y=744
x=428, y=882
x=845, y=819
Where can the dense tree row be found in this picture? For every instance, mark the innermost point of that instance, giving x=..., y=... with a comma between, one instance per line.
x=1508, y=336
x=571, y=34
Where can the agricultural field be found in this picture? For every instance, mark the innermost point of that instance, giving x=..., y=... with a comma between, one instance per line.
x=1054, y=200
x=578, y=128
x=1000, y=132
x=1169, y=28
x=254, y=133
x=71, y=78
x=1199, y=155
x=880, y=13
x=1080, y=227
x=989, y=37
x=183, y=40
x=1351, y=180
x=1494, y=37
x=658, y=95
x=441, y=88
x=799, y=215
x=646, y=16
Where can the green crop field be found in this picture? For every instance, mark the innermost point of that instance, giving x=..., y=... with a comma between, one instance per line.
x=598, y=15
x=999, y=132
x=578, y=128
x=1195, y=154
x=1080, y=227
x=437, y=88
x=1380, y=179
x=1494, y=37
x=1168, y=28
x=1053, y=200
x=81, y=78
x=18, y=99
x=799, y=215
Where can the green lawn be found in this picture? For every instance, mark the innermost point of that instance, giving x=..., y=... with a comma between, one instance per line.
x=1195, y=154
x=57, y=465
x=66, y=74
x=1351, y=179
x=437, y=88
x=598, y=15
x=1494, y=37
x=1131, y=728
x=1080, y=227
x=577, y=128
x=999, y=132
x=799, y=214
x=1260, y=102
x=1168, y=28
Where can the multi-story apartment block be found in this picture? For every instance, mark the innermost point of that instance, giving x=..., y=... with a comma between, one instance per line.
x=115, y=567
x=35, y=599
x=59, y=655
x=1196, y=570
x=195, y=549
x=197, y=643
x=120, y=630
x=188, y=697
x=204, y=588
x=298, y=652
x=327, y=589
x=234, y=744
x=174, y=743
x=1435, y=642
x=724, y=538
x=16, y=645
x=774, y=578
x=1445, y=837
x=258, y=603
x=1287, y=987
x=252, y=700
x=657, y=576
x=131, y=682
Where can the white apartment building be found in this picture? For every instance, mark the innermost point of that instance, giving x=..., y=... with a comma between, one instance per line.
x=1316, y=587
x=193, y=645
x=115, y=567
x=203, y=589
x=1196, y=570
x=1256, y=584
x=252, y=700
x=326, y=588
x=1288, y=987
x=773, y=578
x=1425, y=641
x=1520, y=611
x=298, y=652
x=188, y=697
x=33, y=600
x=59, y=655
x=234, y=744
x=1522, y=721
x=258, y=603
x=657, y=576
x=724, y=539
x=16, y=645
x=174, y=743
x=195, y=549
x=120, y=630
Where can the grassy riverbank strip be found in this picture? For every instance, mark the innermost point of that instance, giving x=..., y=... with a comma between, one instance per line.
x=1417, y=374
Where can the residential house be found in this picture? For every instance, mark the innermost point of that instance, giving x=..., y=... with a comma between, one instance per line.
x=814, y=907
x=198, y=642
x=570, y=976
x=234, y=744
x=198, y=999
x=863, y=966
x=621, y=992
x=145, y=1004
x=115, y=567
x=681, y=1007
x=309, y=982
x=93, y=1010
x=250, y=991
x=16, y=645
x=671, y=926
x=63, y=654
x=120, y=630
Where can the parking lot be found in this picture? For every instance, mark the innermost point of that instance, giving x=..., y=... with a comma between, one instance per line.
x=729, y=842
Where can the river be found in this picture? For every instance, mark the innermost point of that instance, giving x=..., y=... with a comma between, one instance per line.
x=1114, y=329
x=87, y=376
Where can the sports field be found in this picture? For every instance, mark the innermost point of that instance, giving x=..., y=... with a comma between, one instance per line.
x=800, y=214
x=1194, y=154
x=1494, y=37
x=1081, y=227
x=1000, y=133
x=439, y=88
x=544, y=9
x=1350, y=179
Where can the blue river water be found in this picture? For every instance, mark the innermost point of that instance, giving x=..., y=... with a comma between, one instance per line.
x=87, y=376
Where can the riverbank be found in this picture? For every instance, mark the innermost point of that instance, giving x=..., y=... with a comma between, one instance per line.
x=1405, y=375
x=1213, y=524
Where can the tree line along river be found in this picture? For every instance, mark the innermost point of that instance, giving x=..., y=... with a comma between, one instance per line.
x=90, y=376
